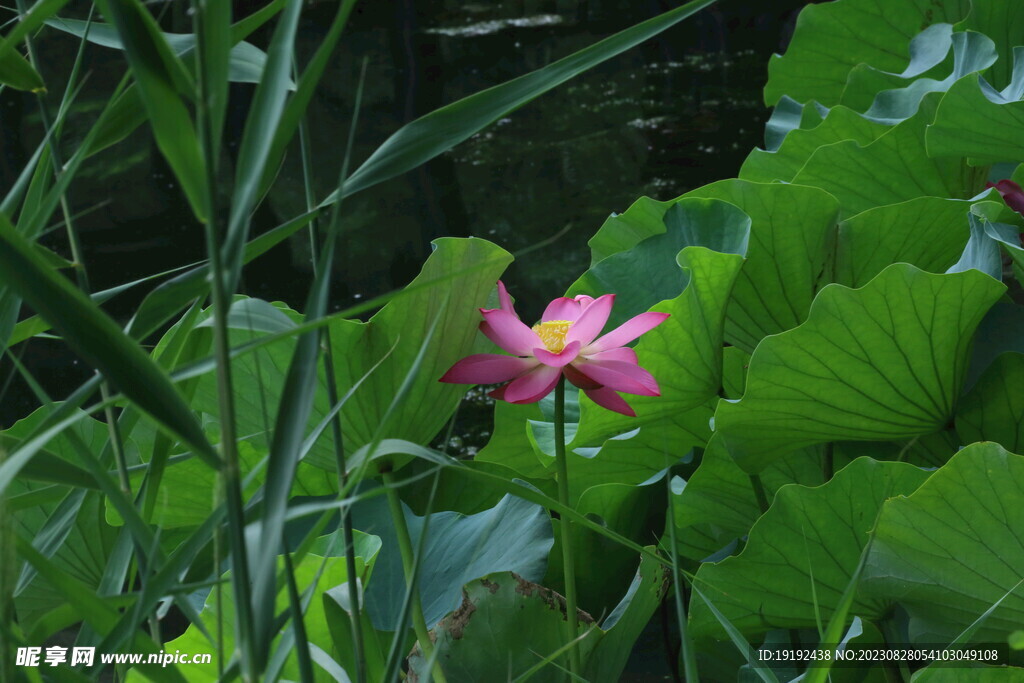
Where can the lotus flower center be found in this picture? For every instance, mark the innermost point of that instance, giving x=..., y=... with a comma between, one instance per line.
x=552, y=333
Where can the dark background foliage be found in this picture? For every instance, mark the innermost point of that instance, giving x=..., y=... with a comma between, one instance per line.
x=678, y=112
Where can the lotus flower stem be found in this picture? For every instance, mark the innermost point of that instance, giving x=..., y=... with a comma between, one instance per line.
x=568, y=566
x=419, y=622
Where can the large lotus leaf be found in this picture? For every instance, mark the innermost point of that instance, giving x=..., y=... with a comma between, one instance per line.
x=627, y=621
x=929, y=50
x=684, y=353
x=58, y=460
x=951, y=550
x=187, y=493
x=928, y=451
x=892, y=169
x=514, y=535
x=454, y=282
x=631, y=457
x=927, y=232
x=789, y=245
x=973, y=52
x=802, y=553
x=315, y=573
x=832, y=38
x=789, y=115
x=507, y=625
x=1003, y=22
x=878, y=363
x=458, y=489
x=973, y=120
x=637, y=456
x=643, y=219
x=993, y=410
x=710, y=223
x=1002, y=235
x=718, y=503
x=789, y=225
x=375, y=644
x=636, y=512
x=1001, y=330
x=786, y=252
x=83, y=552
x=524, y=441
x=734, y=371
x=504, y=626
x=509, y=444
x=841, y=123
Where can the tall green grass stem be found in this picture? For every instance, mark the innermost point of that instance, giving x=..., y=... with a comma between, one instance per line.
x=220, y=300
x=689, y=654
x=345, y=521
x=568, y=563
x=419, y=622
x=8, y=578
x=52, y=128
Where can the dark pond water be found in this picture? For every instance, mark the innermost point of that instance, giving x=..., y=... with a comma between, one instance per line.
x=675, y=113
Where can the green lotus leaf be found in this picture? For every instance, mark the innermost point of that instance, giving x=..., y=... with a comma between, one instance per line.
x=789, y=115
x=927, y=232
x=1001, y=330
x=928, y=51
x=514, y=535
x=789, y=225
x=684, y=353
x=688, y=222
x=841, y=123
x=972, y=53
x=833, y=38
x=718, y=503
x=636, y=512
x=316, y=573
x=973, y=120
x=635, y=457
x=879, y=363
x=790, y=234
x=82, y=552
x=993, y=410
x=509, y=444
x=528, y=620
x=893, y=168
x=455, y=281
x=954, y=548
x=802, y=553
x=623, y=231
x=1003, y=22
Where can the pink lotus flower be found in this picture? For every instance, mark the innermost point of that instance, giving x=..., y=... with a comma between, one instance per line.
x=564, y=342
